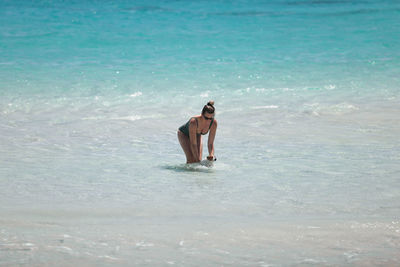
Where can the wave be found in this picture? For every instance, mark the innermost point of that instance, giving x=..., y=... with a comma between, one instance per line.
x=148, y=9
x=307, y=14
x=323, y=2
x=317, y=109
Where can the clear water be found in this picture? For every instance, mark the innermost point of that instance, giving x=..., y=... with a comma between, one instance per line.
x=307, y=98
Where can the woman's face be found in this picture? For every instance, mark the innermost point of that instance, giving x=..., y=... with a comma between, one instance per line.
x=208, y=116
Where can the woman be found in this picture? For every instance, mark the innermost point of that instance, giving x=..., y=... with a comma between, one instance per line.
x=189, y=134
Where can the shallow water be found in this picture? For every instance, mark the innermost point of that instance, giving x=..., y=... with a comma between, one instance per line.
x=307, y=99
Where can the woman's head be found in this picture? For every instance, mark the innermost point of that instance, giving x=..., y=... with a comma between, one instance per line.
x=208, y=108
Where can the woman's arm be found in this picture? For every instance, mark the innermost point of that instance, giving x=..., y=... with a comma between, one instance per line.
x=211, y=138
x=193, y=139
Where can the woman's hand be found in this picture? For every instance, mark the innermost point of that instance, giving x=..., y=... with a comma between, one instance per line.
x=211, y=158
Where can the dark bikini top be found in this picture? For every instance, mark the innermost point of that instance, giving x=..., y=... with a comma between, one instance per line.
x=185, y=128
x=212, y=120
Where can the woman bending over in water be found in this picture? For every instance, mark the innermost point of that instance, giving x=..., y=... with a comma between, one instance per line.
x=189, y=134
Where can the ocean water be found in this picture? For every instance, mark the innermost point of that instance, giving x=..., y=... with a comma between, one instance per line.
x=307, y=97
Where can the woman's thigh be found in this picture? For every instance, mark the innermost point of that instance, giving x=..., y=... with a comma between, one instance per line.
x=185, y=144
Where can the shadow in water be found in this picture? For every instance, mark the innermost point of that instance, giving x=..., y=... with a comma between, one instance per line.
x=192, y=167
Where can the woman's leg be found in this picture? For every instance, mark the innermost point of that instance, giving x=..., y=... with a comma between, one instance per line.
x=185, y=144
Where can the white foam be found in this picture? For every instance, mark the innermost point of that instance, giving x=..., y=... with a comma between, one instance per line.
x=144, y=244
x=266, y=107
x=108, y=257
x=319, y=109
x=205, y=94
x=136, y=94
x=128, y=118
x=330, y=86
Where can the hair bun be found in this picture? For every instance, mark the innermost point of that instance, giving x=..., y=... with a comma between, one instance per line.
x=211, y=103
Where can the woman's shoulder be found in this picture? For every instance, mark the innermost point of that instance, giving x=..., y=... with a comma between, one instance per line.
x=193, y=120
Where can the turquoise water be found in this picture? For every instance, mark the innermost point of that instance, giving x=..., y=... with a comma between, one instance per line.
x=307, y=99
